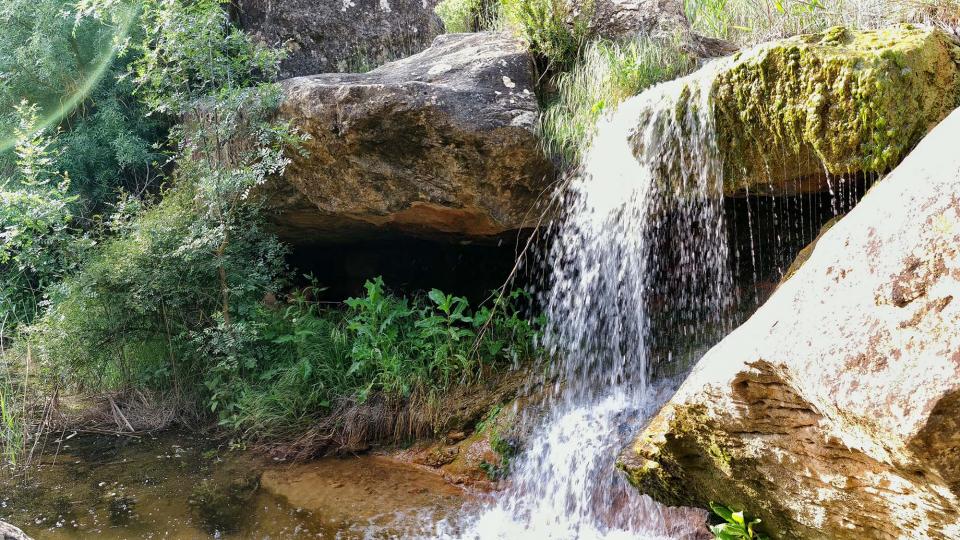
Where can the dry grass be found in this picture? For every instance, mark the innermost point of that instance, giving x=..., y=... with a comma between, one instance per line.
x=748, y=22
x=353, y=426
x=121, y=413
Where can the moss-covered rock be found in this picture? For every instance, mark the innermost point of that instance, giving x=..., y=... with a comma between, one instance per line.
x=841, y=102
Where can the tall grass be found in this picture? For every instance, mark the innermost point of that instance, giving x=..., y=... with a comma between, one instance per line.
x=607, y=74
x=470, y=15
x=747, y=22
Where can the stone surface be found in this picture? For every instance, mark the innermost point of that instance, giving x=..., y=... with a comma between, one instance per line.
x=340, y=35
x=840, y=103
x=627, y=19
x=833, y=411
x=438, y=144
x=9, y=532
x=659, y=19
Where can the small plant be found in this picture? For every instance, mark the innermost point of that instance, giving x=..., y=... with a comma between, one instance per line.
x=469, y=15
x=736, y=526
x=551, y=28
x=606, y=74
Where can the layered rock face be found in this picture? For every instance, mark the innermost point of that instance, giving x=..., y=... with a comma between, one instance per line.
x=834, y=412
x=340, y=35
x=441, y=144
x=794, y=116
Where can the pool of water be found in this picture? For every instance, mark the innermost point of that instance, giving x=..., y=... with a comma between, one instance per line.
x=184, y=486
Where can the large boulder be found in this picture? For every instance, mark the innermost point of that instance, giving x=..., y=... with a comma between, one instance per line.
x=834, y=412
x=793, y=113
x=629, y=19
x=340, y=35
x=441, y=144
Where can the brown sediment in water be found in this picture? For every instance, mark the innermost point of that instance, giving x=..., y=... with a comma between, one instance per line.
x=373, y=493
x=109, y=487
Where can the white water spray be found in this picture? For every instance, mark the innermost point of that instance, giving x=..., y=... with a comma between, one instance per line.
x=641, y=249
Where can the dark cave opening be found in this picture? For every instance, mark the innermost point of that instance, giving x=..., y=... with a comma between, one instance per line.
x=409, y=265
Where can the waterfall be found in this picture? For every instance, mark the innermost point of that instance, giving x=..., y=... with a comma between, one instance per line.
x=640, y=254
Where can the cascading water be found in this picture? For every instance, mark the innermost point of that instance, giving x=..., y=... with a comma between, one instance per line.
x=641, y=250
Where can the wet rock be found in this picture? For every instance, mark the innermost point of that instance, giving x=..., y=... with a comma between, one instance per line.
x=832, y=412
x=9, y=532
x=340, y=35
x=793, y=113
x=222, y=505
x=803, y=114
x=440, y=144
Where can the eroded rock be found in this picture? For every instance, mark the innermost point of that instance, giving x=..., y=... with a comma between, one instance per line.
x=832, y=412
x=438, y=144
x=340, y=35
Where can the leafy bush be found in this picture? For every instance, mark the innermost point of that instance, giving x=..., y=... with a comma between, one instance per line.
x=65, y=63
x=736, y=525
x=39, y=245
x=379, y=344
x=607, y=74
x=550, y=30
x=469, y=15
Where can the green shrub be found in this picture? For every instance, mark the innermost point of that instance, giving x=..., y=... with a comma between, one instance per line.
x=607, y=74
x=65, y=63
x=39, y=243
x=469, y=15
x=378, y=344
x=550, y=30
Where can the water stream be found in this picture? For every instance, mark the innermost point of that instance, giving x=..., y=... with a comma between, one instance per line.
x=641, y=250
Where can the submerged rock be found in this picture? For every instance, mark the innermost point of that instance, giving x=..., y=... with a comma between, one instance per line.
x=439, y=144
x=223, y=505
x=833, y=412
x=340, y=35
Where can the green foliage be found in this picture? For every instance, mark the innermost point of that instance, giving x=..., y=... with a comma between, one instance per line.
x=748, y=22
x=164, y=299
x=469, y=15
x=607, y=74
x=65, y=62
x=299, y=359
x=38, y=243
x=11, y=429
x=736, y=525
x=550, y=29
x=132, y=313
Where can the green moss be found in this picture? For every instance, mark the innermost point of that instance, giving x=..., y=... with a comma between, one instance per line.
x=677, y=440
x=841, y=101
